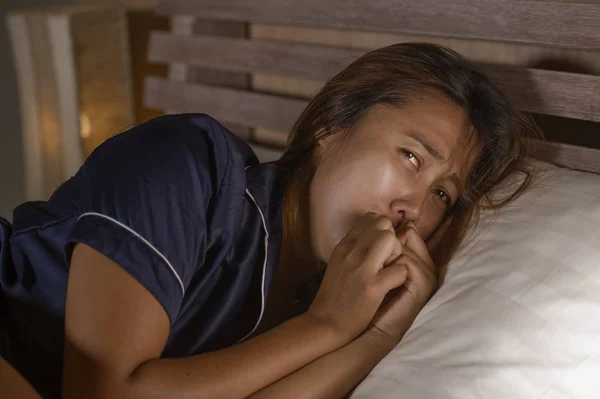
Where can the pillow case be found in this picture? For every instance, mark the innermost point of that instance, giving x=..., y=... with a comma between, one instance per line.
x=518, y=315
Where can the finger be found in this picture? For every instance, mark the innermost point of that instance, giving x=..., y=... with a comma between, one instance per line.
x=397, y=250
x=355, y=243
x=384, y=249
x=392, y=276
x=367, y=222
x=357, y=230
x=410, y=237
x=370, y=229
x=417, y=269
x=430, y=266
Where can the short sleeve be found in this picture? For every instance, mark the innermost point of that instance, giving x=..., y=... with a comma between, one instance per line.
x=144, y=200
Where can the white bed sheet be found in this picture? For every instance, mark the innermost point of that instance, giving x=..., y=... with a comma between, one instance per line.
x=519, y=313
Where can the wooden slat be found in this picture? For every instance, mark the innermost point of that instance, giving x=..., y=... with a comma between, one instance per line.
x=563, y=94
x=278, y=113
x=188, y=26
x=566, y=155
x=228, y=105
x=492, y=52
x=265, y=154
x=547, y=92
x=206, y=28
x=129, y=4
x=561, y=24
x=298, y=60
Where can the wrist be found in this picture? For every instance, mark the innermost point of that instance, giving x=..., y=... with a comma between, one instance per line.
x=325, y=330
x=380, y=339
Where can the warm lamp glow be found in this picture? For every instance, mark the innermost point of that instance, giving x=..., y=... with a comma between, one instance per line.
x=85, y=126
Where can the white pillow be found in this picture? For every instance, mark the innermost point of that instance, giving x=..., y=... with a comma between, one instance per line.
x=519, y=313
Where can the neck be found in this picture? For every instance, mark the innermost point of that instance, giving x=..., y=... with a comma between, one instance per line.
x=297, y=256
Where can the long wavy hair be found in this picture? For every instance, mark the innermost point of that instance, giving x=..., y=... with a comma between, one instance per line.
x=394, y=75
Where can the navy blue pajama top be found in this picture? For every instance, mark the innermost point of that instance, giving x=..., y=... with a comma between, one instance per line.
x=182, y=205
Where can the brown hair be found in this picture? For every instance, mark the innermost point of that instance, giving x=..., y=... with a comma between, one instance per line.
x=394, y=75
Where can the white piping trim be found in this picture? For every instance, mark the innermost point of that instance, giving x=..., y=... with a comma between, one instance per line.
x=262, y=289
x=143, y=240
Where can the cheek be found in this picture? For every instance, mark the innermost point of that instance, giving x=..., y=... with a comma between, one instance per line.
x=432, y=219
x=337, y=199
x=328, y=200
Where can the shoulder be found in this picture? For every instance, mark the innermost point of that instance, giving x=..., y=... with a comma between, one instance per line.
x=174, y=147
x=174, y=134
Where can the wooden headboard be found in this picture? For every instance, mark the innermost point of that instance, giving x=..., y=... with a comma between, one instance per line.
x=254, y=64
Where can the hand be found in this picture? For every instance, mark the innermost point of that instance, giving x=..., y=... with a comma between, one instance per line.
x=400, y=307
x=356, y=281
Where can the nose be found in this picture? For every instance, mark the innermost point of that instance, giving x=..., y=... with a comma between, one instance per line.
x=409, y=208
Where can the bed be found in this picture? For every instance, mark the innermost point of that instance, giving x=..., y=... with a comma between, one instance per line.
x=518, y=315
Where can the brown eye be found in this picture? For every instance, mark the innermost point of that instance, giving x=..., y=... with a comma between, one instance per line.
x=443, y=195
x=412, y=158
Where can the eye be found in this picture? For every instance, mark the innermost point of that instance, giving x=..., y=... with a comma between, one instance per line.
x=443, y=195
x=412, y=158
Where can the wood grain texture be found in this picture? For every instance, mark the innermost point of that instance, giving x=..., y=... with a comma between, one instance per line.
x=563, y=24
x=265, y=154
x=225, y=104
x=212, y=29
x=272, y=138
x=504, y=53
x=129, y=4
x=297, y=60
x=278, y=114
x=566, y=155
x=140, y=24
x=561, y=129
x=547, y=92
x=564, y=94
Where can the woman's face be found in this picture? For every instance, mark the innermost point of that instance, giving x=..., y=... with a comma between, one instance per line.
x=402, y=163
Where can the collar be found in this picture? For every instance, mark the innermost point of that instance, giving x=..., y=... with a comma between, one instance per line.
x=266, y=184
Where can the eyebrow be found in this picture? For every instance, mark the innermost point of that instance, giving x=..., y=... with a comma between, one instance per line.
x=454, y=179
x=430, y=149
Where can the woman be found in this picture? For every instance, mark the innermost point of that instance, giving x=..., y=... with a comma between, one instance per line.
x=174, y=265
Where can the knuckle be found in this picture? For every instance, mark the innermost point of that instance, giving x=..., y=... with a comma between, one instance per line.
x=354, y=257
x=386, y=237
x=383, y=223
x=387, y=234
x=344, y=247
x=411, y=224
x=410, y=230
x=338, y=253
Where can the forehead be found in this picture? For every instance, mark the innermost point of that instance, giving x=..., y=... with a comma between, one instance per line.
x=431, y=117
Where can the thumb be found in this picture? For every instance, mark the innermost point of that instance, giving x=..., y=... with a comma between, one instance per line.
x=392, y=276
